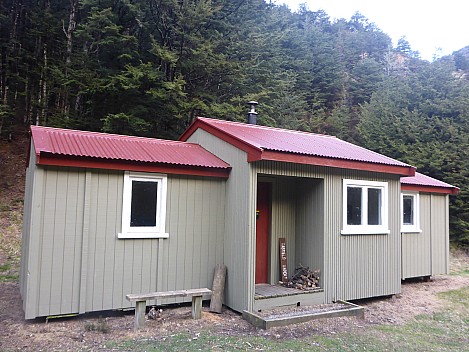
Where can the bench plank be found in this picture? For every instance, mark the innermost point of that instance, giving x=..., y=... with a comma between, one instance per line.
x=141, y=302
x=168, y=294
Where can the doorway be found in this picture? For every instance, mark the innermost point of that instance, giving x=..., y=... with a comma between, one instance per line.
x=263, y=214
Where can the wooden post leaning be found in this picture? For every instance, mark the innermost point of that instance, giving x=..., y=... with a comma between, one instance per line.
x=218, y=288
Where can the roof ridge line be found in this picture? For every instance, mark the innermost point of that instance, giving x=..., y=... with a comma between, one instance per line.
x=267, y=127
x=105, y=135
x=202, y=120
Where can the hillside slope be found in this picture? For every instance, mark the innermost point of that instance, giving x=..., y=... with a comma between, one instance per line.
x=12, y=177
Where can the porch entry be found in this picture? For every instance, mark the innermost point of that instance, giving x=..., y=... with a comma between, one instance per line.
x=263, y=216
x=291, y=208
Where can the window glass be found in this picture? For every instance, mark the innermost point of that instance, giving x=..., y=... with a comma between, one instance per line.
x=365, y=207
x=408, y=208
x=354, y=205
x=143, y=207
x=374, y=206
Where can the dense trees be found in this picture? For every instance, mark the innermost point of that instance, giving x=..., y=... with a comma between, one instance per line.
x=148, y=67
x=423, y=118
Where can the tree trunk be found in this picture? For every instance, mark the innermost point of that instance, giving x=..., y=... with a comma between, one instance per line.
x=42, y=95
x=72, y=23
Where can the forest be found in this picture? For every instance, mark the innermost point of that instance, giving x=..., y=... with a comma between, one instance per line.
x=149, y=67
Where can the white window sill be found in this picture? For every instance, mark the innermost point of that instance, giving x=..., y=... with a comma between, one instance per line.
x=142, y=235
x=411, y=231
x=365, y=232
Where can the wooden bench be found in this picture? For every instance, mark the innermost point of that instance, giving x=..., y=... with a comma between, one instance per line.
x=141, y=302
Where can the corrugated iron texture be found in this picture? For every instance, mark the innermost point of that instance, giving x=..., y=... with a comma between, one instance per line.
x=118, y=147
x=440, y=234
x=298, y=217
x=416, y=247
x=282, y=225
x=310, y=224
x=423, y=180
x=427, y=253
x=53, y=242
x=355, y=266
x=30, y=193
x=196, y=227
x=289, y=141
x=240, y=206
x=73, y=260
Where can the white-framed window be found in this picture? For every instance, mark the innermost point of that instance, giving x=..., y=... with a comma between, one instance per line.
x=410, y=212
x=365, y=207
x=144, y=205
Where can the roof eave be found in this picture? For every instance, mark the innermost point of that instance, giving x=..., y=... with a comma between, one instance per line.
x=124, y=165
x=335, y=162
x=430, y=189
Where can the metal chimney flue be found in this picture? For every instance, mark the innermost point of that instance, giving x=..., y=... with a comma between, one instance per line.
x=252, y=114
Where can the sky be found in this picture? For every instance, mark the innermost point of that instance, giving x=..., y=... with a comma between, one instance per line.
x=428, y=25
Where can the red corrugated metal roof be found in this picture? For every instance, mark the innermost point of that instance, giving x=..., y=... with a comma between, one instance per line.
x=267, y=139
x=64, y=143
x=427, y=183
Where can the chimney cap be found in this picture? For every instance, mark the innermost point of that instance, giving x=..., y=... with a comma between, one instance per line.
x=252, y=119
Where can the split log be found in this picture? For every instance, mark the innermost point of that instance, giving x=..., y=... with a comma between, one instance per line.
x=218, y=288
x=303, y=279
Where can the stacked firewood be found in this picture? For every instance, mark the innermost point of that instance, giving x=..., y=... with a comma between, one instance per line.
x=303, y=279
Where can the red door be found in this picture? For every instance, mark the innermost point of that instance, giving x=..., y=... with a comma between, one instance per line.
x=262, y=232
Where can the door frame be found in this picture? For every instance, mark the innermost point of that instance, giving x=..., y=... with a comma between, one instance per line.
x=268, y=273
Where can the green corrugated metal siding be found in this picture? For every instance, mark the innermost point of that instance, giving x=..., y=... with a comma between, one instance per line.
x=239, y=244
x=310, y=224
x=361, y=266
x=297, y=217
x=56, y=221
x=440, y=233
x=282, y=225
x=74, y=261
x=416, y=247
x=32, y=240
x=28, y=194
x=427, y=253
x=196, y=206
x=355, y=266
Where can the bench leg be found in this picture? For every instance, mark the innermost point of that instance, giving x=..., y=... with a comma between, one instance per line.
x=140, y=307
x=196, y=307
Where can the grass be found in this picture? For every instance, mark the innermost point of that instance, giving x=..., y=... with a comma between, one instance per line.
x=207, y=341
x=5, y=271
x=445, y=330
x=10, y=244
x=459, y=262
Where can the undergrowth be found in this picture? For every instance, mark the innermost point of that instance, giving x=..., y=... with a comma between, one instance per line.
x=10, y=243
x=100, y=326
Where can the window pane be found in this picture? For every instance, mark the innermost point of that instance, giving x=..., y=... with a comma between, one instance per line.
x=374, y=206
x=143, y=208
x=408, y=205
x=354, y=206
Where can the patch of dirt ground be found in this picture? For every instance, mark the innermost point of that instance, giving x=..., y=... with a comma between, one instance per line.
x=70, y=334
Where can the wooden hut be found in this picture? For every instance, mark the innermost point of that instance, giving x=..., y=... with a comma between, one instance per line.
x=109, y=215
